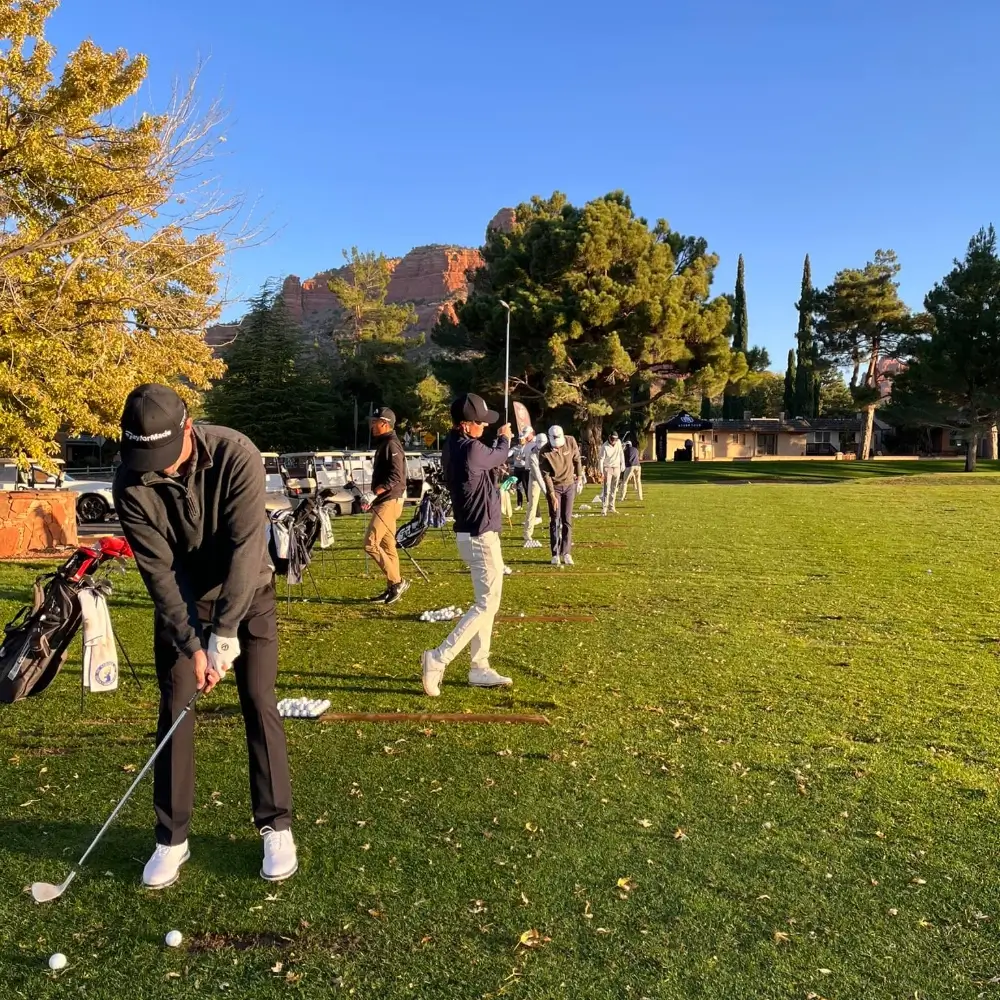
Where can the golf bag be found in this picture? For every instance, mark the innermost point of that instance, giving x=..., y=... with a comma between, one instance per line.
x=37, y=639
x=293, y=532
x=433, y=511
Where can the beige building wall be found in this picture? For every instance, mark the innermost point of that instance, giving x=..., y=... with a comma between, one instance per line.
x=791, y=445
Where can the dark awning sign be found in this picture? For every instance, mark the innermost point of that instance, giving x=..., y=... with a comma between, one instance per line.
x=683, y=421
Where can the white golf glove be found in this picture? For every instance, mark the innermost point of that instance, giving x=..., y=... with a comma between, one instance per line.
x=367, y=499
x=223, y=652
x=579, y=485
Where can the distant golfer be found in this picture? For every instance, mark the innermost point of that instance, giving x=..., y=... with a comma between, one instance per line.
x=531, y=444
x=562, y=471
x=385, y=501
x=470, y=470
x=191, y=503
x=633, y=469
x=612, y=463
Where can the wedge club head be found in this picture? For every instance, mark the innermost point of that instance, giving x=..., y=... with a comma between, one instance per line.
x=45, y=892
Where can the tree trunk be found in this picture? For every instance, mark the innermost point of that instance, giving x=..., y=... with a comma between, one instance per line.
x=867, y=433
x=971, y=447
x=991, y=444
x=593, y=438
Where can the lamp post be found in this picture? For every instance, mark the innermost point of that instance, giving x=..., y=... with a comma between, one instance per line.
x=506, y=372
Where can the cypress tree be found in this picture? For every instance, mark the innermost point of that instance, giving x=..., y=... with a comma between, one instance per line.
x=790, y=383
x=806, y=380
x=706, y=408
x=741, y=329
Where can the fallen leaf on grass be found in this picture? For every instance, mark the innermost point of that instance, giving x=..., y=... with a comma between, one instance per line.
x=531, y=827
x=626, y=883
x=172, y=975
x=781, y=937
x=602, y=930
x=644, y=823
x=128, y=768
x=277, y=967
x=916, y=880
x=377, y=914
x=525, y=900
x=30, y=802
x=826, y=972
x=293, y=977
x=679, y=834
x=531, y=939
x=893, y=912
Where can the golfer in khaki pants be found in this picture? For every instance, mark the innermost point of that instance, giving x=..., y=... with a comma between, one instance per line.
x=385, y=501
x=469, y=468
x=633, y=469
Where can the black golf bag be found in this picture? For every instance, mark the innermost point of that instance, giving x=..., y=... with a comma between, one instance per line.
x=294, y=531
x=433, y=511
x=37, y=639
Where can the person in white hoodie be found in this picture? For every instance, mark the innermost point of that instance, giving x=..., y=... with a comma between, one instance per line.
x=612, y=462
x=531, y=443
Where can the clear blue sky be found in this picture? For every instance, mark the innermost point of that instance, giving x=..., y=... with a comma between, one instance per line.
x=771, y=128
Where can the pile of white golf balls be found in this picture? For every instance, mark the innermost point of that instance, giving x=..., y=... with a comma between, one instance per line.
x=173, y=939
x=447, y=614
x=57, y=961
x=302, y=708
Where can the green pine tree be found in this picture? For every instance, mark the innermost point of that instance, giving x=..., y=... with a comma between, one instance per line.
x=271, y=391
x=741, y=336
x=706, y=408
x=804, y=401
x=790, y=383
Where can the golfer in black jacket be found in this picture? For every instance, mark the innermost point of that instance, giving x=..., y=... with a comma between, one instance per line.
x=385, y=501
x=191, y=503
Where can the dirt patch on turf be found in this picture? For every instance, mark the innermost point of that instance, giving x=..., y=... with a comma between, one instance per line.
x=338, y=944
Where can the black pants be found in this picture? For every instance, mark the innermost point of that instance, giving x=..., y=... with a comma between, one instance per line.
x=561, y=518
x=522, y=486
x=256, y=673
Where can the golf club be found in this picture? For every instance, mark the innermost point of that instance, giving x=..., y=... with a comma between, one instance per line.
x=506, y=372
x=44, y=892
x=375, y=511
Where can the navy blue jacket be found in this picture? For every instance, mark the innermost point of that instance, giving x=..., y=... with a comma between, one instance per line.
x=631, y=455
x=469, y=469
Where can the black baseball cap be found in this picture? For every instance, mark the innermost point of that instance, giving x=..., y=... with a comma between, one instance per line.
x=152, y=428
x=384, y=413
x=474, y=409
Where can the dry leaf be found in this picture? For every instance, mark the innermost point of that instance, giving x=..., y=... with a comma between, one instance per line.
x=426, y=939
x=277, y=967
x=377, y=914
x=893, y=912
x=679, y=834
x=918, y=881
x=293, y=977
x=531, y=827
x=525, y=900
x=128, y=768
x=644, y=823
x=826, y=972
x=531, y=939
x=626, y=883
x=587, y=915
x=602, y=930
x=173, y=975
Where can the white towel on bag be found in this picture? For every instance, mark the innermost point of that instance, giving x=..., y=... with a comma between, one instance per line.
x=100, y=656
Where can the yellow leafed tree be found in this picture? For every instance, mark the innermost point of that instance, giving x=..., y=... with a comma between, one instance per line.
x=111, y=240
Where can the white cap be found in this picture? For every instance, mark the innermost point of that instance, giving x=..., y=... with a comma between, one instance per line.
x=556, y=436
x=542, y=440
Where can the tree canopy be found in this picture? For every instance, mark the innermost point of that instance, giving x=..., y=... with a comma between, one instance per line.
x=108, y=257
x=610, y=316
x=952, y=375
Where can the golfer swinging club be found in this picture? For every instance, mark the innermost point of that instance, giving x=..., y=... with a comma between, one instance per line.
x=385, y=501
x=470, y=470
x=191, y=504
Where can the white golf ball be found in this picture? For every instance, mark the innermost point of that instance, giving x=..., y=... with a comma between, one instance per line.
x=57, y=961
x=174, y=939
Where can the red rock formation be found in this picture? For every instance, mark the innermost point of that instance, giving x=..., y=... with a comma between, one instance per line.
x=504, y=220
x=433, y=274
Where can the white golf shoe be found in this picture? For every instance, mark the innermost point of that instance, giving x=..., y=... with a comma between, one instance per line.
x=281, y=860
x=556, y=561
x=433, y=673
x=487, y=677
x=164, y=867
x=568, y=559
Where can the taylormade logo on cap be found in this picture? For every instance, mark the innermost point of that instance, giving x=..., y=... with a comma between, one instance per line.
x=161, y=436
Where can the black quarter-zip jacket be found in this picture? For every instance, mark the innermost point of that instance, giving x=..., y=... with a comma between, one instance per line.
x=201, y=536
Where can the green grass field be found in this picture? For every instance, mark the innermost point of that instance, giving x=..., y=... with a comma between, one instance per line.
x=771, y=772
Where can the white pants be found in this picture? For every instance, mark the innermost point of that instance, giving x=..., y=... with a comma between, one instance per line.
x=475, y=628
x=531, y=509
x=610, y=492
x=634, y=473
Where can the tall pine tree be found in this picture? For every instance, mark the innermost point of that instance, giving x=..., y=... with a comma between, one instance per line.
x=733, y=403
x=790, y=384
x=806, y=377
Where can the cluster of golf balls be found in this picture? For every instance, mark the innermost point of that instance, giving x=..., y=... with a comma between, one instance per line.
x=302, y=708
x=447, y=614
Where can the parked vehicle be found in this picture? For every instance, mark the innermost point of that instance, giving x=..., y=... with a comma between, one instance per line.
x=94, y=501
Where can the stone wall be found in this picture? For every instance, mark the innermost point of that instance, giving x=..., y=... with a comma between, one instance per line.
x=36, y=521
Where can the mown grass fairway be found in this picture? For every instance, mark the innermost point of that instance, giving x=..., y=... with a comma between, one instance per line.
x=771, y=772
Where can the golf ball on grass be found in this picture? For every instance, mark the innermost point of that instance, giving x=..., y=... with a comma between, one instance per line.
x=57, y=961
x=174, y=939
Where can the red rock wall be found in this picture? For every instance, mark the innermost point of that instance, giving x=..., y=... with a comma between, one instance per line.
x=36, y=521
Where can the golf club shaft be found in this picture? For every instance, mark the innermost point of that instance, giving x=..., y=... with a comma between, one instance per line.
x=506, y=374
x=149, y=763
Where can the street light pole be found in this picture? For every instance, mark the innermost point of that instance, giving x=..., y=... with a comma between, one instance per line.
x=506, y=373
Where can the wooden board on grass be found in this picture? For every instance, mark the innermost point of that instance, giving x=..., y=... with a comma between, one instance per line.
x=545, y=618
x=481, y=717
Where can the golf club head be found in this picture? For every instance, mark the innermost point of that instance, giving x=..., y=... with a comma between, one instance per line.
x=45, y=892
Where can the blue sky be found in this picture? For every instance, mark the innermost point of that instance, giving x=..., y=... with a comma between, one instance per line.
x=771, y=128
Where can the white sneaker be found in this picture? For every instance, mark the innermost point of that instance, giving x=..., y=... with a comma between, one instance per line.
x=164, y=867
x=568, y=559
x=556, y=561
x=280, y=858
x=487, y=677
x=433, y=673
x=604, y=513
x=537, y=521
